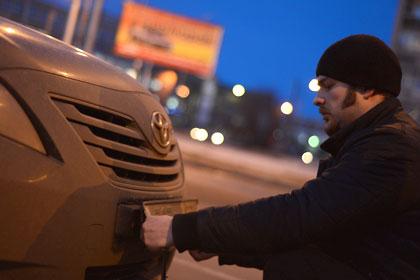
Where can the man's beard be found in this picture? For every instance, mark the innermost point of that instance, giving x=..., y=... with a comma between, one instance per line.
x=349, y=99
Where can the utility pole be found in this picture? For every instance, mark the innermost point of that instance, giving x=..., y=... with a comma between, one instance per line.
x=206, y=103
x=71, y=21
x=93, y=26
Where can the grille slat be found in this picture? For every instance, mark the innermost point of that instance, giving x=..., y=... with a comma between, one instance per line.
x=102, y=158
x=116, y=137
x=97, y=113
x=140, y=176
x=91, y=139
x=137, y=159
x=120, y=148
x=147, y=186
x=74, y=115
x=105, y=116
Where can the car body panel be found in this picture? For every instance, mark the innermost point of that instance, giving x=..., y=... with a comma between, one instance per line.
x=23, y=47
x=58, y=210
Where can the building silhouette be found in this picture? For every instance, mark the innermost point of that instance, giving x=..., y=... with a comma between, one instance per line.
x=406, y=43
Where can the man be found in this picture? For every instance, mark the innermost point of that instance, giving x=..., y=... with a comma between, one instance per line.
x=360, y=218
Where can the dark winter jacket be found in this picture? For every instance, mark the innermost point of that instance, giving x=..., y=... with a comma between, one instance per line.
x=362, y=209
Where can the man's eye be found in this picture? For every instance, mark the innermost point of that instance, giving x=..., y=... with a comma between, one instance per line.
x=324, y=86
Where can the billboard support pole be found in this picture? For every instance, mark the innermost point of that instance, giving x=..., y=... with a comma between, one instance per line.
x=146, y=74
x=206, y=103
x=71, y=21
x=93, y=26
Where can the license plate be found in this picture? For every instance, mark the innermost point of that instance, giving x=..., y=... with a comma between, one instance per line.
x=171, y=206
x=130, y=215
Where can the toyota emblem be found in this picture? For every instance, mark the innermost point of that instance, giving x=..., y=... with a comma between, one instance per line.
x=161, y=129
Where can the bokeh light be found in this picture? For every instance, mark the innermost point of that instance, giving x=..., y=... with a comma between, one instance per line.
x=199, y=134
x=286, y=108
x=155, y=85
x=202, y=135
x=313, y=141
x=217, y=138
x=313, y=85
x=182, y=91
x=307, y=157
x=168, y=80
x=172, y=103
x=194, y=132
x=238, y=90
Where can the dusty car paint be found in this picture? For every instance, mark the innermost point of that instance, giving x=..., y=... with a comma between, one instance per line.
x=58, y=207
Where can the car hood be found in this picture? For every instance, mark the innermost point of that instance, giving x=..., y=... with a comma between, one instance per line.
x=29, y=49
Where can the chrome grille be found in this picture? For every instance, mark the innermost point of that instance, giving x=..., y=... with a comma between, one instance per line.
x=120, y=148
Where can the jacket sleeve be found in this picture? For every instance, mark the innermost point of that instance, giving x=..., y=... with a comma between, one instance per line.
x=356, y=193
x=251, y=261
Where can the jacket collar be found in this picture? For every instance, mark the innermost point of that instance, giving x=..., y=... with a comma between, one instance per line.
x=370, y=119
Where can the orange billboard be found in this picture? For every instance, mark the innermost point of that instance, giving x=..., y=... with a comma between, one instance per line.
x=167, y=39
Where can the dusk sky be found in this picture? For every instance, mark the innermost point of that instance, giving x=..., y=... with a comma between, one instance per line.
x=275, y=45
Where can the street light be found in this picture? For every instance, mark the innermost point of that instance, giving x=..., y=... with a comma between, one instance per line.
x=172, y=103
x=202, y=135
x=199, y=134
x=238, y=90
x=314, y=86
x=155, y=85
x=168, y=80
x=286, y=108
x=182, y=91
x=194, y=133
x=217, y=138
x=307, y=157
x=313, y=141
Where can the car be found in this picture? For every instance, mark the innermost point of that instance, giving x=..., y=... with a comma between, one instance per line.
x=83, y=149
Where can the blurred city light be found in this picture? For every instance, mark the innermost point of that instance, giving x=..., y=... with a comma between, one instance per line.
x=199, y=134
x=313, y=141
x=302, y=138
x=307, y=157
x=194, y=132
x=238, y=90
x=202, y=135
x=313, y=85
x=168, y=80
x=217, y=138
x=168, y=77
x=172, y=103
x=131, y=72
x=182, y=91
x=155, y=85
x=286, y=108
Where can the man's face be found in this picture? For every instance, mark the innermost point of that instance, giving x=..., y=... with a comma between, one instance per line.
x=335, y=102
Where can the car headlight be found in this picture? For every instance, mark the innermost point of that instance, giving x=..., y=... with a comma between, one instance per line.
x=15, y=124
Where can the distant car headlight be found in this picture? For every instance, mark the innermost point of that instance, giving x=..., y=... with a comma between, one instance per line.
x=15, y=124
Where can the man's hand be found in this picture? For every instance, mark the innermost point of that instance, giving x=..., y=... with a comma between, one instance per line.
x=157, y=232
x=200, y=255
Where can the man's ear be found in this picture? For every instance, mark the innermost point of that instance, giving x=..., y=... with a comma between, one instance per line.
x=368, y=94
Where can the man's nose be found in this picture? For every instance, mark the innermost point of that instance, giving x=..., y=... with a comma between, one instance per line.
x=318, y=101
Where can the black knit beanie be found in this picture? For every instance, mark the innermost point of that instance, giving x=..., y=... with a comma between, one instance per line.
x=362, y=60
